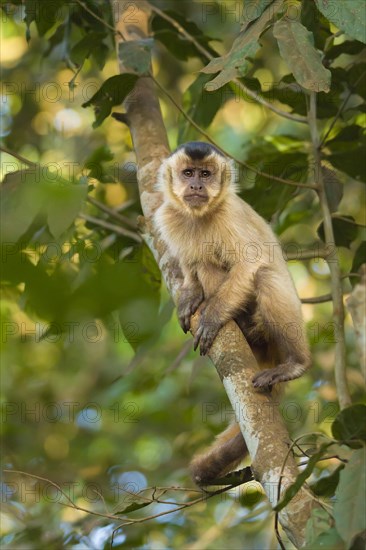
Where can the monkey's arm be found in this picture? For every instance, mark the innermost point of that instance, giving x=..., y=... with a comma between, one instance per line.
x=190, y=297
x=231, y=297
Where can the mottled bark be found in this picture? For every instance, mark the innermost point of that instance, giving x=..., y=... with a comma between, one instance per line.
x=261, y=424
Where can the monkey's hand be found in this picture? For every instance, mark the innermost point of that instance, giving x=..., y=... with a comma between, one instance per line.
x=208, y=328
x=189, y=301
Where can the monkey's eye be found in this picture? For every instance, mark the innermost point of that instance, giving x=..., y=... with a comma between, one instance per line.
x=205, y=173
x=188, y=172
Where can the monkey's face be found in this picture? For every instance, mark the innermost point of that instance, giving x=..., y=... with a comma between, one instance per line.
x=196, y=183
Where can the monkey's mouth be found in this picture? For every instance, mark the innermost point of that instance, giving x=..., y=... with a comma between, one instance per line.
x=196, y=199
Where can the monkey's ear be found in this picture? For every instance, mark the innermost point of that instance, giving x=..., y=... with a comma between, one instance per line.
x=165, y=177
x=229, y=175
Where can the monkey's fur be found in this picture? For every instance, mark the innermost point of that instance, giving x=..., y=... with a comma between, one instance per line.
x=233, y=268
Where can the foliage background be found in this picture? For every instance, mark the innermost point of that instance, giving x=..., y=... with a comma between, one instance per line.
x=79, y=298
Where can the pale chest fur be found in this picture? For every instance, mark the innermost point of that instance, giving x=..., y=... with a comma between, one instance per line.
x=234, y=233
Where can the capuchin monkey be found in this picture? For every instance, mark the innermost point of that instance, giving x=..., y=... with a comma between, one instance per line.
x=233, y=268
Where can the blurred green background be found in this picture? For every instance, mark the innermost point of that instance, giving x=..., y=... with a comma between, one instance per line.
x=79, y=407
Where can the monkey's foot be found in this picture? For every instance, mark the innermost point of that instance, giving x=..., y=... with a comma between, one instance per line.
x=282, y=373
x=206, y=334
x=188, y=304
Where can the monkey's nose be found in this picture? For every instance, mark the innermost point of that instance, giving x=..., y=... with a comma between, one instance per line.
x=196, y=187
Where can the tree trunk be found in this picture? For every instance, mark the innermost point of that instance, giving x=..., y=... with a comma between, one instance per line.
x=260, y=421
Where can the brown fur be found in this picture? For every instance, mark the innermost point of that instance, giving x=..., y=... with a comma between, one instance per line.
x=233, y=268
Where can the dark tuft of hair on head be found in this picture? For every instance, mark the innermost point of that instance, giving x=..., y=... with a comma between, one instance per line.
x=198, y=150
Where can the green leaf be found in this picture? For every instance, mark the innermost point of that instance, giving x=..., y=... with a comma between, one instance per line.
x=347, y=47
x=266, y=196
x=356, y=79
x=320, y=533
x=293, y=489
x=201, y=104
x=326, y=486
x=21, y=203
x=96, y=161
x=63, y=203
x=333, y=188
x=316, y=23
x=350, y=424
x=112, y=92
x=349, y=16
x=296, y=47
x=136, y=55
x=347, y=151
x=329, y=540
x=344, y=232
x=180, y=47
x=235, y=63
x=254, y=9
x=133, y=507
x=349, y=507
x=289, y=92
x=91, y=44
x=44, y=14
x=359, y=258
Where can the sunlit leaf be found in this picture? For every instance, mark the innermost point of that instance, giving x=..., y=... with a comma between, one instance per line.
x=296, y=47
x=349, y=16
x=237, y=62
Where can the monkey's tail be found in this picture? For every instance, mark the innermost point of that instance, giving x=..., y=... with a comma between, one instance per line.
x=224, y=455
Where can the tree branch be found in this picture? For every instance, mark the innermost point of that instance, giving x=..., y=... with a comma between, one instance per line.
x=111, y=227
x=333, y=263
x=260, y=421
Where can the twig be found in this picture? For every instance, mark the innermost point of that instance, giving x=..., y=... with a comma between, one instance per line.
x=209, y=57
x=306, y=255
x=290, y=450
x=209, y=138
x=19, y=157
x=111, y=212
x=181, y=355
x=334, y=268
x=317, y=299
x=112, y=227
